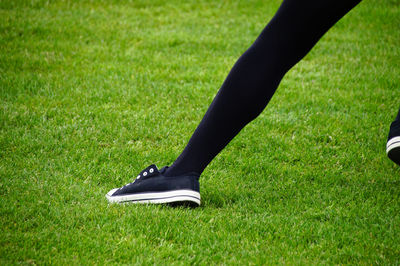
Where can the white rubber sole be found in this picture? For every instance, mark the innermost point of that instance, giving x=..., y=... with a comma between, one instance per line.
x=156, y=197
x=392, y=143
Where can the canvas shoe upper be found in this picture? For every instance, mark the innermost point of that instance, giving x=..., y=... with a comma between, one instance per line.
x=151, y=186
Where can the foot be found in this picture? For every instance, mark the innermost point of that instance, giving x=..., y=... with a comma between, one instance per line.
x=151, y=186
x=393, y=144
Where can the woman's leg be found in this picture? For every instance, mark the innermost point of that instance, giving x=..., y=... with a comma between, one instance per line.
x=288, y=37
x=294, y=30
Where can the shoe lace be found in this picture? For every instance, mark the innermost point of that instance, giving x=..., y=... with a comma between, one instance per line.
x=145, y=173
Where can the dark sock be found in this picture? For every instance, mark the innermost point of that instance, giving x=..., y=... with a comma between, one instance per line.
x=288, y=37
x=394, y=130
x=398, y=116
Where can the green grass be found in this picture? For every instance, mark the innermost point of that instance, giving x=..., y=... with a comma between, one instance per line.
x=92, y=92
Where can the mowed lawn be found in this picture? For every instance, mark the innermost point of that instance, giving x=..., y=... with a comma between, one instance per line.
x=92, y=92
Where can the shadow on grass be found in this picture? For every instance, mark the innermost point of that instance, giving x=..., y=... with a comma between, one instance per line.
x=218, y=199
x=213, y=200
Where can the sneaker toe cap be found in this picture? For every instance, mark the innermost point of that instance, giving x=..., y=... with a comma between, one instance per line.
x=111, y=192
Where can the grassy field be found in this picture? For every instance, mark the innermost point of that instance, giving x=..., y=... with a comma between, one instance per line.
x=92, y=92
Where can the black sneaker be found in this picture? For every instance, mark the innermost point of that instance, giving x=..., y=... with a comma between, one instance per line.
x=151, y=186
x=393, y=144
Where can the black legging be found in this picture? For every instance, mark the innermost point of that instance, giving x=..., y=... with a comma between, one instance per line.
x=288, y=37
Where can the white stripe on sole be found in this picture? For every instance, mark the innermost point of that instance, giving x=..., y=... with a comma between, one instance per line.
x=156, y=197
x=392, y=143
